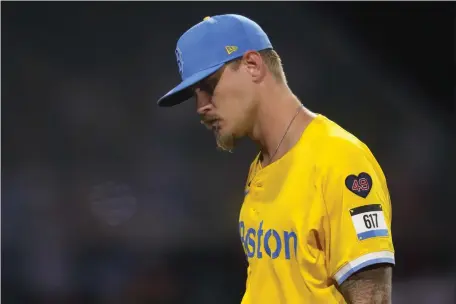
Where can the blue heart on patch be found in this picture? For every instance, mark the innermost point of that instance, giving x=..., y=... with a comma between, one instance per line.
x=360, y=185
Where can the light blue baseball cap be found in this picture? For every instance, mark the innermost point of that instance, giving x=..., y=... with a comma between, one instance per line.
x=207, y=46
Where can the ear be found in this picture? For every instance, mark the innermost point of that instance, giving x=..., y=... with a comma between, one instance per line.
x=254, y=64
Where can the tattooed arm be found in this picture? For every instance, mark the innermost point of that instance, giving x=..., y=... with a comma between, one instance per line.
x=370, y=285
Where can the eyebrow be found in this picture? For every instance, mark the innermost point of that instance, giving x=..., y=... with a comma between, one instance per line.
x=213, y=76
x=209, y=79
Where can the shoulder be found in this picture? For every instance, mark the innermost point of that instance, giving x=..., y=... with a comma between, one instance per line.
x=337, y=146
x=340, y=155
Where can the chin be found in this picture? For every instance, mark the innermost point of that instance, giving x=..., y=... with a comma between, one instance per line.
x=225, y=141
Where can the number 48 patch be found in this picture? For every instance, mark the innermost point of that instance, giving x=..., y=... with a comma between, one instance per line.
x=369, y=221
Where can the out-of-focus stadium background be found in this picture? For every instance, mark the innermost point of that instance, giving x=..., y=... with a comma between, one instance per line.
x=107, y=198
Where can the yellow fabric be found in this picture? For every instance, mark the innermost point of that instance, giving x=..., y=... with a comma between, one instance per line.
x=296, y=222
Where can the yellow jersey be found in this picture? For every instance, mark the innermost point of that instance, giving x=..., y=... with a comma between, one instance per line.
x=312, y=218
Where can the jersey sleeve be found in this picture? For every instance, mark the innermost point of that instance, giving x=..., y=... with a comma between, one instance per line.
x=358, y=210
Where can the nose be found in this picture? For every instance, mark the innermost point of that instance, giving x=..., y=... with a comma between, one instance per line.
x=203, y=102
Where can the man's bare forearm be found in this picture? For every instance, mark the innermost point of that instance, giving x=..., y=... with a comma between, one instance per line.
x=371, y=285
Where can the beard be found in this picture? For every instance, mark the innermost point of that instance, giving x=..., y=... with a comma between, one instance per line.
x=225, y=142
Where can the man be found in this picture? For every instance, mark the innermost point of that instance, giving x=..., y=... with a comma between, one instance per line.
x=316, y=219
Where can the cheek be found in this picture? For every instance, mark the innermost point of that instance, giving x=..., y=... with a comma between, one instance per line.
x=233, y=99
x=240, y=116
x=240, y=101
x=234, y=86
x=227, y=99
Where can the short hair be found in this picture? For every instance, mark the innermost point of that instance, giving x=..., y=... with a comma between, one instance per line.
x=272, y=61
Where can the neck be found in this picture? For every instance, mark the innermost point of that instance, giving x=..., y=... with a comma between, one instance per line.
x=276, y=110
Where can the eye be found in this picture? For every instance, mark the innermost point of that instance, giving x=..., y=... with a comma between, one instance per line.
x=208, y=86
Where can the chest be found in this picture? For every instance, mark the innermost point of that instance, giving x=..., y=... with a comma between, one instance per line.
x=280, y=208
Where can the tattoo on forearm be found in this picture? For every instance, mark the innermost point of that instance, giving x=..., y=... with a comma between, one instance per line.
x=371, y=285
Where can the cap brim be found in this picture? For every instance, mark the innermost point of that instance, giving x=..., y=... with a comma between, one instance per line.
x=182, y=92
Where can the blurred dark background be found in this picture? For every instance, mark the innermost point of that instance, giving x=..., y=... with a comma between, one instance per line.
x=107, y=198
